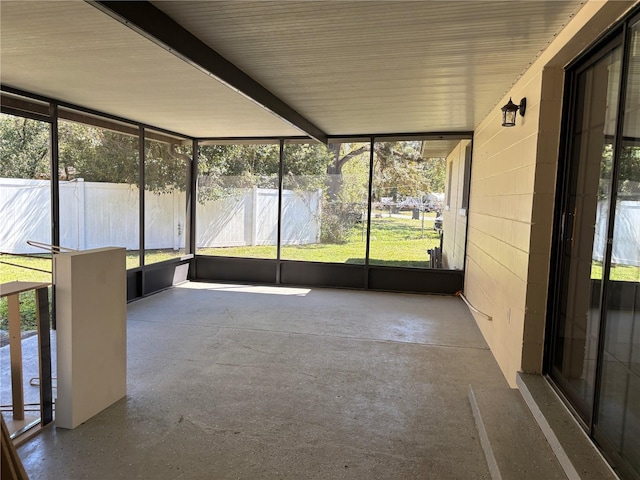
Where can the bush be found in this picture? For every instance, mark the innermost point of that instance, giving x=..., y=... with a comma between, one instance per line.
x=334, y=229
x=337, y=222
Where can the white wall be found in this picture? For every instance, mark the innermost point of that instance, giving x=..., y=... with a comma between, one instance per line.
x=454, y=216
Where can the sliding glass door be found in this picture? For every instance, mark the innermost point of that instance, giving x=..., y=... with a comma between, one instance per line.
x=595, y=347
x=586, y=219
x=617, y=420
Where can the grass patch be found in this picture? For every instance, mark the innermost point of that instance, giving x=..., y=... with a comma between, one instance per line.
x=16, y=272
x=402, y=241
x=619, y=273
x=397, y=240
x=11, y=273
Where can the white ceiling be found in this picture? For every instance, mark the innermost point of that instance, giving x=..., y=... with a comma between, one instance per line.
x=349, y=67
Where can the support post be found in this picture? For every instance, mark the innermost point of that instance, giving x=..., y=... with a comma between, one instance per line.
x=44, y=348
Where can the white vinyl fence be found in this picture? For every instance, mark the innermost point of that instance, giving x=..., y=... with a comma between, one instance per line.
x=96, y=214
x=251, y=218
x=626, y=235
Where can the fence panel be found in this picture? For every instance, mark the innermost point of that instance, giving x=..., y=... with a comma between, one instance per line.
x=95, y=214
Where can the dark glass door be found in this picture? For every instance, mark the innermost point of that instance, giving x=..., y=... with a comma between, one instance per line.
x=617, y=420
x=586, y=219
x=595, y=344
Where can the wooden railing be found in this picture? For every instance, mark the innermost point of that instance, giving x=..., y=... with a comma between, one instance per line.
x=12, y=290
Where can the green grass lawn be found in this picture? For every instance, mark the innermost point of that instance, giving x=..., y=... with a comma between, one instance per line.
x=16, y=272
x=9, y=273
x=396, y=240
x=621, y=273
x=402, y=241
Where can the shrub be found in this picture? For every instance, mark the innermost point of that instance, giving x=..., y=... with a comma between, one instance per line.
x=337, y=222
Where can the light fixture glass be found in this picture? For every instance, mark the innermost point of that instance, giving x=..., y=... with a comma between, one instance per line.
x=509, y=112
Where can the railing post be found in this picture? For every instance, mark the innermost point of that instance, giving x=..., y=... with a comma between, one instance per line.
x=15, y=350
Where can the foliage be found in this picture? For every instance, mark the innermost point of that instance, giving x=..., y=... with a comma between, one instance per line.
x=399, y=167
x=628, y=172
x=398, y=171
x=24, y=148
x=435, y=169
x=166, y=166
x=99, y=155
x=345, y=200
x=354, y=188
x=88, y=152
x=226, y=170
x=340, y=171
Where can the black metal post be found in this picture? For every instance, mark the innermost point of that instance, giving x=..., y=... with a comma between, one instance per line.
x=192, y=178
x=54, y=144
x=369, y=204
x=280, y=187
x=44, y=348
x=141, y=177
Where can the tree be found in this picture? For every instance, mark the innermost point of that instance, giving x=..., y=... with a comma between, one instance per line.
x=629, y=173
x=396, y=171
x=165, y=167
x=100, y=155
x=398, y=166
x=225, y=170
x=24, y=148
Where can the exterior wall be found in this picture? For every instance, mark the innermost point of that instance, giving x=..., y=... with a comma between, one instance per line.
x=512, y=200
x=454, y=216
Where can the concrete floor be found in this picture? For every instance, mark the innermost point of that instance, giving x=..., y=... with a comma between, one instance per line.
x=241, y=382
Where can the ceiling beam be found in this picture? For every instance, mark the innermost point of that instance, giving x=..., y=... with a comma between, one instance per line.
x=155, y=25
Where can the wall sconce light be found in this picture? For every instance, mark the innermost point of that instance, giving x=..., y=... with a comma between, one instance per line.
x=509, y=112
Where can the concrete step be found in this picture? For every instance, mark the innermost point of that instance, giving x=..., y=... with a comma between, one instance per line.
x=574, y=450
x=513, y=443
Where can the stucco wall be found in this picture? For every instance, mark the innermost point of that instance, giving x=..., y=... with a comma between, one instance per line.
x=512, y=200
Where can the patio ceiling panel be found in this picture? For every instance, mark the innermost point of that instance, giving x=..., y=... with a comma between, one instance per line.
x=72, y=52
x=349, y=67
x=377, y=66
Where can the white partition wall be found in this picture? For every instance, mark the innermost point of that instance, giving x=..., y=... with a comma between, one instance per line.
x=91, y=332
